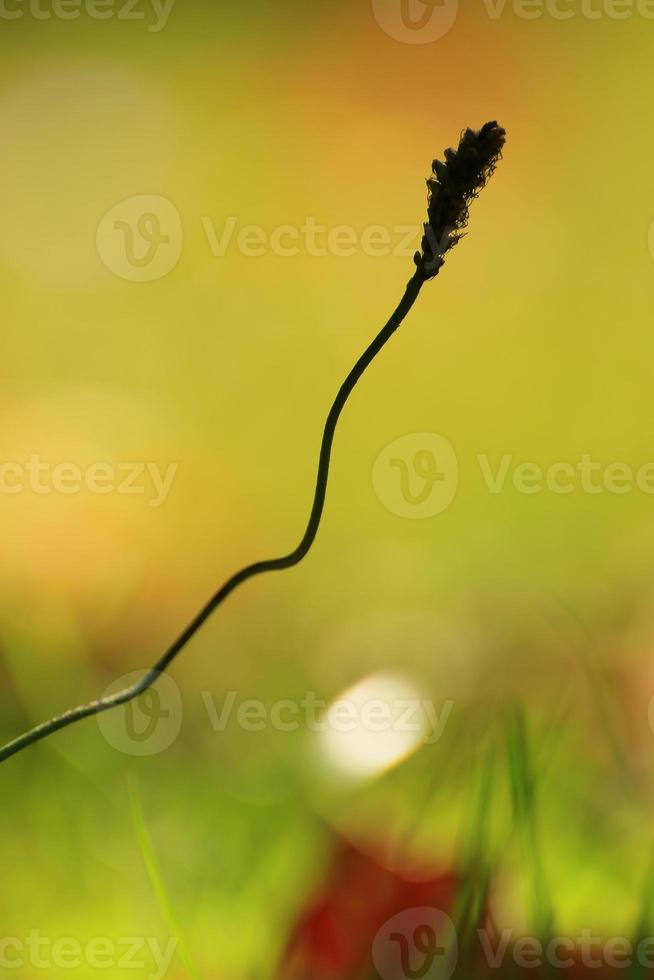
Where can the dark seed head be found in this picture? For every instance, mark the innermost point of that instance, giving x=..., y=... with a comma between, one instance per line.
x=454, y=184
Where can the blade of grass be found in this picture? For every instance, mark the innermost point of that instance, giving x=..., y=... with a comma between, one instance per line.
x=476, y=866
x=592, y=665
x=156, y=879
x=523, y=793
x=427, y=778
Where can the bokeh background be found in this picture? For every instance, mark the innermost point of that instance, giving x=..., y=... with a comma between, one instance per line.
x=535, y=344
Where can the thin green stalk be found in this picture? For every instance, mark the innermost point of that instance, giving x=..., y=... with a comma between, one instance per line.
x=475, y=862
x=156, y=880
x=523, y=791
x=454, y=184
x=250, y=571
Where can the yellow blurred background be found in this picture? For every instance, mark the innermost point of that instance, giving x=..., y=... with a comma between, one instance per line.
x=535, y=343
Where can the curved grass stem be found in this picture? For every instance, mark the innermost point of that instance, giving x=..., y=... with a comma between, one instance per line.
x=250, y=571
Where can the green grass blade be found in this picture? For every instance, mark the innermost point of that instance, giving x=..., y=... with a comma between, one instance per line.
x=523, y=793
x=156, y=879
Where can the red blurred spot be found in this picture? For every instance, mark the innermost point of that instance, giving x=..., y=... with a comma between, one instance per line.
x=334, y=935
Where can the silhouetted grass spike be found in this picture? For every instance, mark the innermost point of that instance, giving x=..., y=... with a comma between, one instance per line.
x=454, y=184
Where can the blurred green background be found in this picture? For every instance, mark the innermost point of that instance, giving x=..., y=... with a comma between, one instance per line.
x=535, y=343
